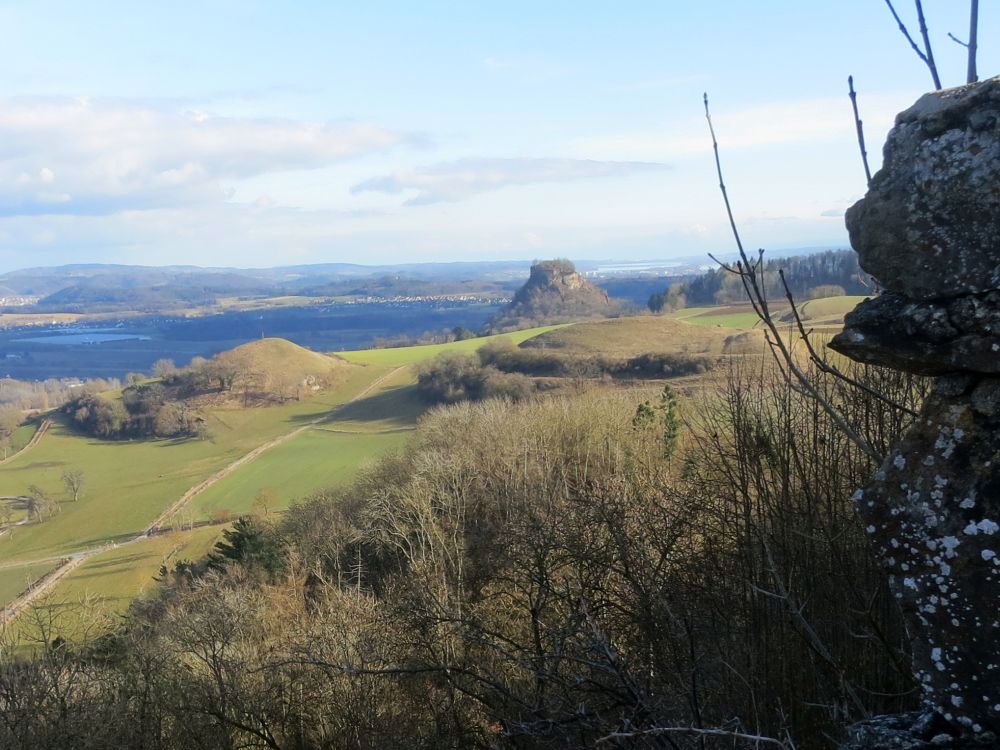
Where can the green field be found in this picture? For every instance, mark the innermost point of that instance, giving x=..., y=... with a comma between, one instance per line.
x=632, y=336
x=720, y=317
x=15, y=580
x=315, y=459
x=119, y=575
x=824, y=311
x=832, y=308
x=22, y=436
x=129, y=483
x=410, y=355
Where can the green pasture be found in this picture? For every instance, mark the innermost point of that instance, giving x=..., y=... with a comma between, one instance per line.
x=743, y=321
x=128, y=483
x=13, y=581
x=119, y=575
x=410, y=355
x=312, y=460
x=829, y=307
x=22, y=436
x=394, y=405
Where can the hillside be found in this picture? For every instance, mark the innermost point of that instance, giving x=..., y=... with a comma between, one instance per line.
x=274, y=359
x=260, y=373
x=632, y=336
x=554, y=293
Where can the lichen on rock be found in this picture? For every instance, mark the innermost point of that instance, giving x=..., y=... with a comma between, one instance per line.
x=929, y=226
x=929, y=231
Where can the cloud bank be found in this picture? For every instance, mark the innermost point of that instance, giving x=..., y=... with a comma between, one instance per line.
x=86, y=157
x=464, y=178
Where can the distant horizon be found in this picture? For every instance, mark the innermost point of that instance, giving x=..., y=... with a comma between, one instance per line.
x=617, y=261
x=318, y=132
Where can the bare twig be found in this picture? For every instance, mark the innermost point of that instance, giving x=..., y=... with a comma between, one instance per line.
x=695, y=732
x=756, y=293
x=971, y=46
x=926, y=56
x=958, y=41
x=825, y=366
x=927, y=44
x=722, y=184
x=972, y=75
x=859, y=127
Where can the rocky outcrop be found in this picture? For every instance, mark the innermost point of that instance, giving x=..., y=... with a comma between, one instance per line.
x=929, y=338
x=914, y=731
x=933, y=513
x=554, y=293
x=929, y=226
x=929, y=231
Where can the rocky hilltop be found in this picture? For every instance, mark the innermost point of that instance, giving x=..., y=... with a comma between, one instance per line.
x=554, y=293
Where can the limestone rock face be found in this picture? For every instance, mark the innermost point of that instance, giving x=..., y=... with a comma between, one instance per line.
x=929, y=230
x=929, y=227
x=928, y=338
x=933, y=513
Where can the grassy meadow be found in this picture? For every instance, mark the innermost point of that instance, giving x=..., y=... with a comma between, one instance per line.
x=129, y=483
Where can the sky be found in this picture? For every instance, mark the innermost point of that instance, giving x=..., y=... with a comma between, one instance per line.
x=243, y=133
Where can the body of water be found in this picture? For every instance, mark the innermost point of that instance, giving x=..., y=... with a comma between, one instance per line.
x=72, y=338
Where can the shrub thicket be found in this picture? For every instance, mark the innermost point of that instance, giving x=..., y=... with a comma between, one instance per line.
x=531, y=575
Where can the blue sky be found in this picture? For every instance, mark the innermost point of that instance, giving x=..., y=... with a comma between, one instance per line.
x=257, y=134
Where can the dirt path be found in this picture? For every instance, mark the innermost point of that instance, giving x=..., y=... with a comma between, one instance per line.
x=42, y=429
x=48, y=581
x=224, y=472
x=45, y=584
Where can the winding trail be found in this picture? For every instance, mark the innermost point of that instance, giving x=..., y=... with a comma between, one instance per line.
x=45, y=584
x=39, y=433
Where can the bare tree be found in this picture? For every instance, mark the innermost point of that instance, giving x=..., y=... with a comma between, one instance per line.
x=41, y=505
x=73, y=479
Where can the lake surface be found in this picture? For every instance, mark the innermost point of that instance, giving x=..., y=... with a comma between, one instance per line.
x=71, y=338
x=112, y=351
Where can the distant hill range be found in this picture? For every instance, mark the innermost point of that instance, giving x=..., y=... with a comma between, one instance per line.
x=110, y=288
x=554, y=293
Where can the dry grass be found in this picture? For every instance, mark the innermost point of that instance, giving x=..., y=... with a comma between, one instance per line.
x=630, y=337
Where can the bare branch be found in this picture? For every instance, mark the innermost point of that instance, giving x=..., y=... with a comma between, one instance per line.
x=860, y=128
x=957, y=41
x=722, y=184
x=971, y=74
x=926, y=57
x=751, y=274
x=927, y=45
x=695, y=732
x=825, y=366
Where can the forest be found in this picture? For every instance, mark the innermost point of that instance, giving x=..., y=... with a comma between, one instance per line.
x=590, y=568
x=825, y=274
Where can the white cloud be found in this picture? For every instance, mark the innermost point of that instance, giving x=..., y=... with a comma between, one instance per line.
x=781, y=122
x=87, y=157
x=464, y=178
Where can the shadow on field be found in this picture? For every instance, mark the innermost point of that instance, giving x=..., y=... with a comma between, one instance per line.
x=96, y=568
x=400, y=404
x=118, y=539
